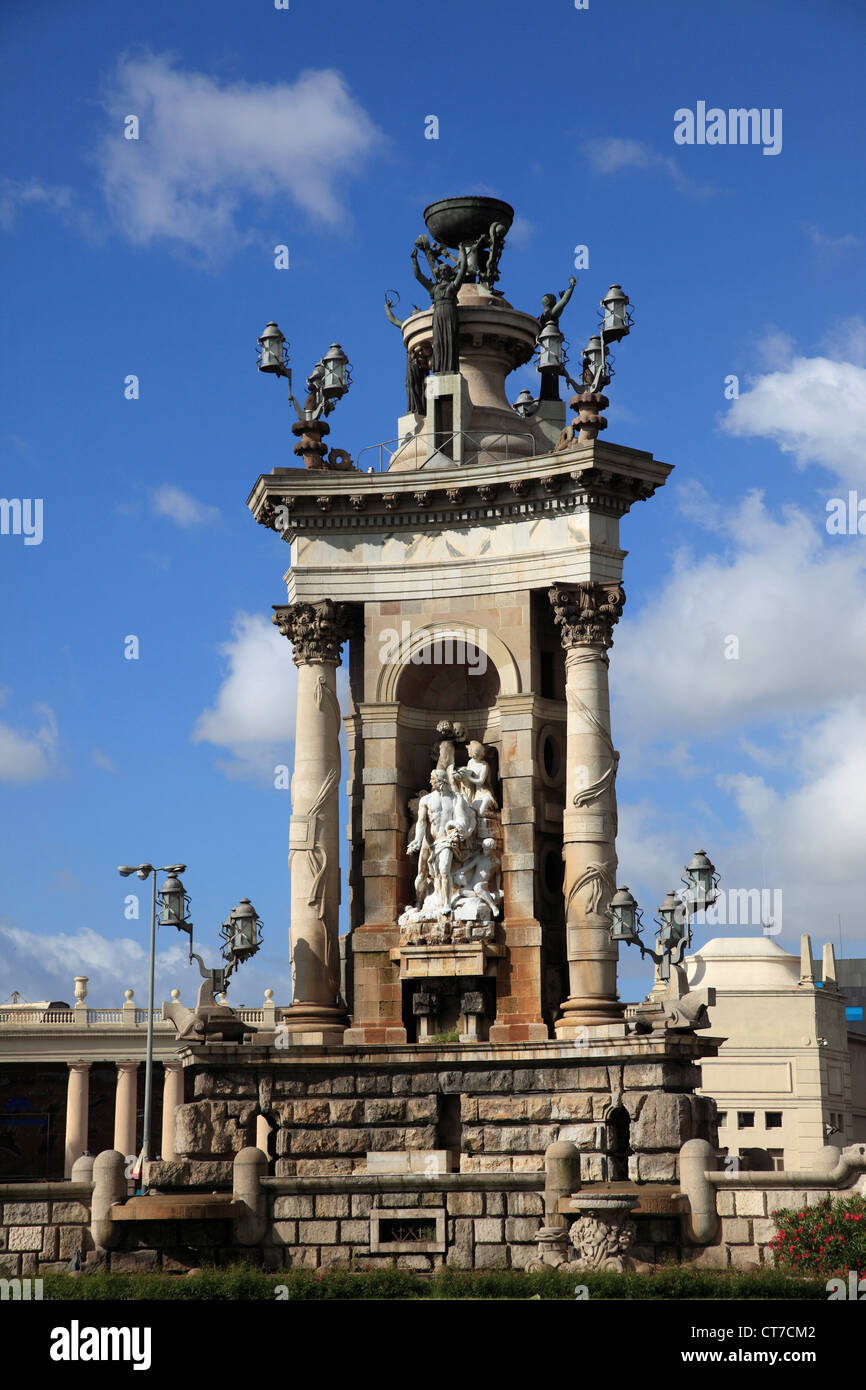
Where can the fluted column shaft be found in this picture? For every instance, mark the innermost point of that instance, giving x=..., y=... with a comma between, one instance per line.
x=317, y=632
x=125, y=1107
x=77, y=1108
x=585, y=614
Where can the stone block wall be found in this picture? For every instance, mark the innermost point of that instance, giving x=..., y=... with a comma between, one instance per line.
x=40, y=1232
x=746, y=1224
x=498, y=1114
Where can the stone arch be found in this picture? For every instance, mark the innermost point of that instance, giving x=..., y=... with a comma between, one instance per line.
x=497, y=653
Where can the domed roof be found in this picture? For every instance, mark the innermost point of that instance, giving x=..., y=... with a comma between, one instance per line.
x=742, y=962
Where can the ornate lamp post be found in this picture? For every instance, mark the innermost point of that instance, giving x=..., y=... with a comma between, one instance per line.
x=174, y=903
x=673, y=918
x=327, y=383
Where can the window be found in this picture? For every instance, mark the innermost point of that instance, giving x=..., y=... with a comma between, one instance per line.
x=773, y=1119
x=745, y=1119
x=723, y=1118
x=778, y=1157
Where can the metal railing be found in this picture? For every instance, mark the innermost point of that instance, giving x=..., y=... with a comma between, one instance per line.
x=480, y=442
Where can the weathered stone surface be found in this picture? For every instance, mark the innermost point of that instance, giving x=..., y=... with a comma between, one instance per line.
x=657, y=1167
x=494, y=1203
x=479, y=1082
x=379, y=1112
x=25, y=1213
x=502, y=1108
x=333, y=1256
x=211, y=1127
x=528, y=1163
x=333, y=1141
x=293, y=1206
x=354, y=1232
x=327, y=1167
x=285, y=1232
x=418, y=1137
x=232, y=1085
x=302, y=1255
x=488, y=1231
x=25, y=1238
x=362, y=1203
x=744, y=1257
x=422, y=1109
x=751, y=1203
x=725, y=1203
x=317, y=1232
x=525, y=1204
x=464, y=1203
x=521, y=1228
x=9, y=1265
x=491, y=1257
x=369, y=1084
x=736, y=1232
x=70, y=1212
x=346, y=1112
x=311, y=1112
x=422, y=1263
x=332, y=1204
x=665, y=1121
x=784, y=1200
x=50, y=1243
x=763, y=1230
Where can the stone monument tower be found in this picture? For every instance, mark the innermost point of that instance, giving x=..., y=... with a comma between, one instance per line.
x=469, y=575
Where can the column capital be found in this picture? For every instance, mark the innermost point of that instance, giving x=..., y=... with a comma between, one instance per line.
x=127, y=1065
x=317, y=631
x=79, y=1065
x=586, y=613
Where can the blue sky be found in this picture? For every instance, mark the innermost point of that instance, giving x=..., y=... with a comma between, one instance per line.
x=155, y=258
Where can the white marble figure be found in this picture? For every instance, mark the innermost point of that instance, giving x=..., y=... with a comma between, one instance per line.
x=457, y=884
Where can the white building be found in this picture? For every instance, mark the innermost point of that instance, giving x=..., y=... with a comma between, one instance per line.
x=782, y=1079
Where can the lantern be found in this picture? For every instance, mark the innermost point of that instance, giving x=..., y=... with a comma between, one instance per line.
x=273, y=351
x=624, y=917
x=701, y=880
x=671, y=919
x=336, y=381
x=241, y=932
x=617, y=320
x=549, y=348
x=595, y=373
x=525, y=404
x=174, y=902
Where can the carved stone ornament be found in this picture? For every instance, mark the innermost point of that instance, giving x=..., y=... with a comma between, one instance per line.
x=317, y=631
x=602, y=1242
x=586, y=613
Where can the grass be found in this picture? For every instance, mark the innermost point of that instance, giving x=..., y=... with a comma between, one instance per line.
x=243, y=1282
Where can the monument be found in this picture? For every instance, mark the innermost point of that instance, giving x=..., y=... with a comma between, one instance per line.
x=469, y=575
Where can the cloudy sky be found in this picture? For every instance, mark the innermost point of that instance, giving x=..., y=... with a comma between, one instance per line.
x=739, y=670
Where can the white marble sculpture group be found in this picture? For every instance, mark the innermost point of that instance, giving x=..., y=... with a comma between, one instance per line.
x=457, y=840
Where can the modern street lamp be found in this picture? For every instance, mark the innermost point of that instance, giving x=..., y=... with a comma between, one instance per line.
x=174, y=903
x=673, y=918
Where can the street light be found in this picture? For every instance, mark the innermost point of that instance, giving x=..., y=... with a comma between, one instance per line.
x=673, y=917
x=241, y=933
x=526, y=404
x=175, y=902
x=616, y=321
x=549, y=343
x=273, y=356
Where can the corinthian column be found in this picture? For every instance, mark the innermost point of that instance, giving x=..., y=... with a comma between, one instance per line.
x=585, y=615
x=317, y=632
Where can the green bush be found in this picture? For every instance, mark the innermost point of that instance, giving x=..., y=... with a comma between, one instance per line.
x=827, y=1239
x=240, y=1282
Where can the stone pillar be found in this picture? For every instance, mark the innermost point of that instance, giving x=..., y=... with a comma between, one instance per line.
x=172, y=1098
x=77, y=1102
x=317, y=632
x=586, y=614
x=125, y=1108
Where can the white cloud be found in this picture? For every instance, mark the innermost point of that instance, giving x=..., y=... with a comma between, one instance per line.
x=16, y=194
x=43, y=965
x=812, y=407
x=613, y=155
x=781, y=588
x=846, y=242
x=28, y=755
x=205, y=146
x=182, y=508
x=253, y=715
x=102, y=760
